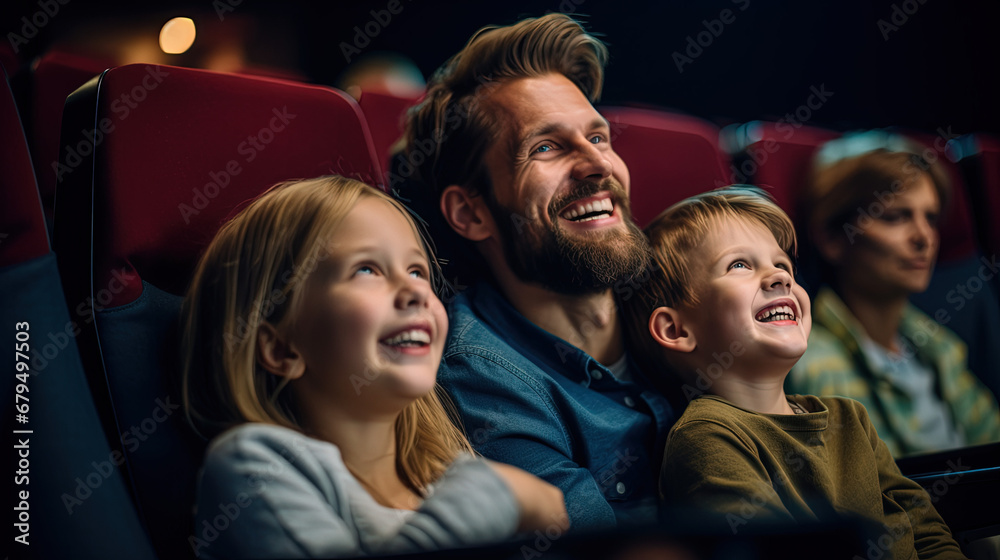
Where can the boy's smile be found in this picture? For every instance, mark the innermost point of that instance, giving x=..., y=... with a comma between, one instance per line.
x=747, y=294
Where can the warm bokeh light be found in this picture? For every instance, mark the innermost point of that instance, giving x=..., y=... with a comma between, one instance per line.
x=177, y=35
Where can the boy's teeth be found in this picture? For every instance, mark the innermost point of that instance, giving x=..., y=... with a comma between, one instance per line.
x=603, y=208
x=417, y=336
x=779, y=313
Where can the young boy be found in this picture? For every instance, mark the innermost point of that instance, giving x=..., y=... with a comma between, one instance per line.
x=722, y=309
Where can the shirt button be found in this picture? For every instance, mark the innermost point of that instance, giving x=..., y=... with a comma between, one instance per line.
x=620, y=487
x=596, y=374
x=629, y=402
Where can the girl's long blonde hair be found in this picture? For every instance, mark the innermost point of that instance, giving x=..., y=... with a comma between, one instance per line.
x=253, y=271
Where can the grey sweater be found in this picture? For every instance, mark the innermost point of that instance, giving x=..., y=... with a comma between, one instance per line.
x=266, y=491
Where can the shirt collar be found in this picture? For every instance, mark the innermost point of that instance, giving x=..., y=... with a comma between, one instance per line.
x=532, y=341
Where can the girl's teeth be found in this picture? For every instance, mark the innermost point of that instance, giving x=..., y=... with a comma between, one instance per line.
x=415, y=336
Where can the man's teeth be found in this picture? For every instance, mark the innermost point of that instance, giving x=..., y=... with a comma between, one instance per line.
x=779, y=313
x=413, y=337
x=590, y=211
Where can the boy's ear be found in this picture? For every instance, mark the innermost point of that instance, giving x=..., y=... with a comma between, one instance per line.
x=467, y=214
x=666, y=324
x=276, y=354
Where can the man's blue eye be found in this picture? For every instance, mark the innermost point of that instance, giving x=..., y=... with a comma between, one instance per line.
x=543, y=148
x=596, y=140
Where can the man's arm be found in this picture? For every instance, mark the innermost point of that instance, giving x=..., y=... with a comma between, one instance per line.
x=509, y=417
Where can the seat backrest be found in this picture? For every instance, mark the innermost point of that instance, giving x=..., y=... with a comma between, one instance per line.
x=175, y=150
x=670, y=157
x=980, y=164
x=54, y=76
x=24, y=236
x=779, y=156
x=385, y=114
x=75, y=501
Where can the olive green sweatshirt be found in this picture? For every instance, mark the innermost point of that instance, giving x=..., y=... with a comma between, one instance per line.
x=749, y=467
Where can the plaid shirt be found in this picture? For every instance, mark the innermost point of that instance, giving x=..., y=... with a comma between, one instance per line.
x=835, y=365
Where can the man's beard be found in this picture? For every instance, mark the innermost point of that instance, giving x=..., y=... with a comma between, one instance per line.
x=570, y=264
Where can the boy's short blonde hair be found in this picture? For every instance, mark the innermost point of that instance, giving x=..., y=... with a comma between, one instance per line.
x=675, y=236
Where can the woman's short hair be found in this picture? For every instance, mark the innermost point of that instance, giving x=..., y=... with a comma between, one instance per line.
x=841, y=192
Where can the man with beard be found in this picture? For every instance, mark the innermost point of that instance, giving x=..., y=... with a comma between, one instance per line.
x=519, y=165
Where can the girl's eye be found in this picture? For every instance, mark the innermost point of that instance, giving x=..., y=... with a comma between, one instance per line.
x=364, y=270
x=738, y=264
x=418, y=274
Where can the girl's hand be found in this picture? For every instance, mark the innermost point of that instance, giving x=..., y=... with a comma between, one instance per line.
x=542, y=504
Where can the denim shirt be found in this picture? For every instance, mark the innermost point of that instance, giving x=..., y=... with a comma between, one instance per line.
x=533, y=400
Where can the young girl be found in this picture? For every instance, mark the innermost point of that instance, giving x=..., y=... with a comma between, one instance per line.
x=311, y=344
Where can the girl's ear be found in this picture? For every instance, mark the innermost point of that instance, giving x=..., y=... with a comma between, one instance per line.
x=278, y=355
x=467, y=214
x=666, y=324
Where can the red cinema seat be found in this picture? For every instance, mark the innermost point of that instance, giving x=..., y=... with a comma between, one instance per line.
x=779, y=156
x=982, y=161
x=75, y=503
x=175, y=151
x=54, y=76
x=385, y=114
x=669, y=156
x=23, y=236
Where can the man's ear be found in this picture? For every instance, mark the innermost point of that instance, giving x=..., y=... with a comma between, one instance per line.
x=831, y=246
x=666, y=324
x=467, y=214
x=276, y=354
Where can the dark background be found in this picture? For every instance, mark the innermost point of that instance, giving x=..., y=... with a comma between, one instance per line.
x=938, y=69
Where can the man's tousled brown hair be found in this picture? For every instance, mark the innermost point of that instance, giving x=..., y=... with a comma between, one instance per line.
x=448, y=133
